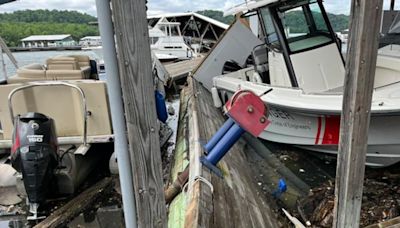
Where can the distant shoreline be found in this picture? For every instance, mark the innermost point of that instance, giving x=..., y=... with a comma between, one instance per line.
x=30, y=49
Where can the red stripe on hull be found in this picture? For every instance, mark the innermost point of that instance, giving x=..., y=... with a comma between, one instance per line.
x=332, y=129
x=318, y=131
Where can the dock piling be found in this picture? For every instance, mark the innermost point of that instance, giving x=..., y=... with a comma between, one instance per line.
x=117, y=109
x=135, y=68
x=361, y=58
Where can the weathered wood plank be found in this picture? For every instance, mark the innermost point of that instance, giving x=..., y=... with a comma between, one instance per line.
x=391, y=223
x=235, y=201
x=200, y=209
x=138, y=94
x=73, y=208
x=357, y=97
x=181, y=69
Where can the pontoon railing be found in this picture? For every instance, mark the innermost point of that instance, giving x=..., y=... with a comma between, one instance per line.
x=35, y=84
x=4, y=48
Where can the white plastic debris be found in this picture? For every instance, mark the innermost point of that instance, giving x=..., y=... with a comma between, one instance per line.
x=294, y=220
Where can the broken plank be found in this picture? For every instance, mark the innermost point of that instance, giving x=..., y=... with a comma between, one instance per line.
x=77, y=205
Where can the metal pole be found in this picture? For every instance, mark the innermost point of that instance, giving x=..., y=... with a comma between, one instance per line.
x=3, y=64
x=116, y=106
x=392, y=2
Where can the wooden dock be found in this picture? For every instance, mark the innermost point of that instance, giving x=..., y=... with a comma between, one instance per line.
x=26, y=49
x=231, y=201
x=180, y=70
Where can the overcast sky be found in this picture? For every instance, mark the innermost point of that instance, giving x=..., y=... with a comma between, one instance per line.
x=155, y=6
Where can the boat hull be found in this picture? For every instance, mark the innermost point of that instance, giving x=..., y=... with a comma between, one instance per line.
x=319, y=132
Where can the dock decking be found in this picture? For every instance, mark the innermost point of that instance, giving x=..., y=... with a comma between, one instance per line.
x=180, y=70
x=233, y=201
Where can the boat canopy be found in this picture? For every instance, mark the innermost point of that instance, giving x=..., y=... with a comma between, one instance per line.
x=248, y=6
x=6, y=1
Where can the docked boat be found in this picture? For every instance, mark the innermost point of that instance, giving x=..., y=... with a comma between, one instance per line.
x=167, y=42
x=306, y=74
x=50, y=116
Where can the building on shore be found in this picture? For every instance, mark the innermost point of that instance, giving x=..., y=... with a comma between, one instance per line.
x=90, y=41
x=62, y=40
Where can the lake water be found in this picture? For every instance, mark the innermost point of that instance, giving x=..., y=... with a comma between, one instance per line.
x=25, y=58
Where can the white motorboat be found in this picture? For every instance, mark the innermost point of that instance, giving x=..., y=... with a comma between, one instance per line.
x=306, y=73
x=167, y=42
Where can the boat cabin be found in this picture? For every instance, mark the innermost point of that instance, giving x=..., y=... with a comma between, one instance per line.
x=301, y=48
x=167, y=41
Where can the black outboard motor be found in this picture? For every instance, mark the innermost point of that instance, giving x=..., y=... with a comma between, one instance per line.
x=34, y=154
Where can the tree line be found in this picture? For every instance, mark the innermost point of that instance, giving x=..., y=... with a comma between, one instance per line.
x=20, y=24
x=294, y=19
x=48, y=16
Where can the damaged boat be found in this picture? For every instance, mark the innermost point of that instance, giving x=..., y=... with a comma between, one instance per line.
x=305, y=71
x=50, y=116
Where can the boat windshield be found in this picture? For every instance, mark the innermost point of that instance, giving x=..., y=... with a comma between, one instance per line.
x=304, y=26
x=271, y=36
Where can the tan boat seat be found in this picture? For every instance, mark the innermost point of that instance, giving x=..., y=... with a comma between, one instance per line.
x=68, y=68
x=29, y=73
x=68, y=74
x=74, y=67
x=62, y=63
x=83, y=60
x=63, y=104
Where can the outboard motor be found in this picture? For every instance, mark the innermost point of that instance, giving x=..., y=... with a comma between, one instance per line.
x=34, y=154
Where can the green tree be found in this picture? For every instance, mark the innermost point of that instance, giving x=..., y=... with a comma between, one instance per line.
x=217, y=15
x=20, y=24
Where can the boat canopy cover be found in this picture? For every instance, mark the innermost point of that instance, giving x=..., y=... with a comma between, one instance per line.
x=6, y=1
x=247, y=6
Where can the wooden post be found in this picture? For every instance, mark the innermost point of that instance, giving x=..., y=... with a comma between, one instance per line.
x=134, y=60
x=359, y=81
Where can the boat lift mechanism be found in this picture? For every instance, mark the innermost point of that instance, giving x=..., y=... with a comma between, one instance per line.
x=246, y=113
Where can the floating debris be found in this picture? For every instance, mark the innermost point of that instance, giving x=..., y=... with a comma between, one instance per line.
x=380, y=202
x=171, y=110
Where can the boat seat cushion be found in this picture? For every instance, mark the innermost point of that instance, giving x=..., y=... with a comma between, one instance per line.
x=260, y=57
x=32, y=72
x=83, y=73
x=83, y=60
x=62, y=63
x=75, y=67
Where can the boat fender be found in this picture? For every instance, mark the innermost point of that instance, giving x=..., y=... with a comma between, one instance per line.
x=216, y=99
x=162, y=113
x=113, y=164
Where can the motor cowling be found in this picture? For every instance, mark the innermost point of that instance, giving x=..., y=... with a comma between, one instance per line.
x=34, y=153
